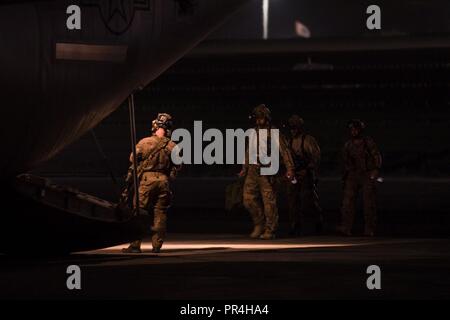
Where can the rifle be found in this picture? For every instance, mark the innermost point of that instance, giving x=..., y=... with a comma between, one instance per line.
x=127, y=195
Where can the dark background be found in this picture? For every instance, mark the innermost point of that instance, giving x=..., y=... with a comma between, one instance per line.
x=401, y=95
x=333, y=18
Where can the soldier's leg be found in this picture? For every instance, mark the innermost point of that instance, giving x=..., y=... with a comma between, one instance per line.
x=253, y=204
x=370, y=206
x=293, y=199
x=269, y=198
x=312, y=199
x=163, y=202
x=145, y=187
x=348, y=205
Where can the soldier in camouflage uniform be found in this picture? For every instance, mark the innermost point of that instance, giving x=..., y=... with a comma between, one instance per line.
x=259, y=195
x=302, y=195
x=362, y=162
x=156, y=170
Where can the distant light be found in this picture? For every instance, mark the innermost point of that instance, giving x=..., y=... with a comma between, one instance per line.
x=302, y=30
x=265, y=9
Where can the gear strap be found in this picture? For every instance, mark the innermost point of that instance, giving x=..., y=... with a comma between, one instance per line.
x=161, y=146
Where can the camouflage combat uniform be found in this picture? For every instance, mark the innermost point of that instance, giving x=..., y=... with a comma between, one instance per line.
x=260, y=197
x=302, y=196
x=154, y=188
x=362, y=161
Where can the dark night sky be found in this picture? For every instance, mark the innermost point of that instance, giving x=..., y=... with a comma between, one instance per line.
x=332, y=18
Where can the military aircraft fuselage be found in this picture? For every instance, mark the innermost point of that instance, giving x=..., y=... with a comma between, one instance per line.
x=57, y=83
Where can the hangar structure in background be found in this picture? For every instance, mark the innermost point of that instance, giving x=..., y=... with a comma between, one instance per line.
x=57, y=84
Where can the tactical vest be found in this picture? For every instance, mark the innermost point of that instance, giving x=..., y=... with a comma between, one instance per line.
x=360, y=157
x=159, y=159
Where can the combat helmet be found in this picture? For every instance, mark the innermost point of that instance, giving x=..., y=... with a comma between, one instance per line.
x=261, y=111
x=164, y=121
x=356, y=123
x=295, y=121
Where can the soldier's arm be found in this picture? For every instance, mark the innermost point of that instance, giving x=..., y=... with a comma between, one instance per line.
x=174, y=171
x=246, y=158
x=174, y=168
x=139, y=151
x=312, y=150
x=245, y=165
x=374, y=152
x=286, y=155
x=345, y=160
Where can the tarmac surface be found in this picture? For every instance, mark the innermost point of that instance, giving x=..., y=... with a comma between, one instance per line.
x=227, y=266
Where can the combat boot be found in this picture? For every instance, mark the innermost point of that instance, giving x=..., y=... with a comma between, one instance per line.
x=257, y=231
x=267, y=235
x=156, y=250
x=132, y=249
